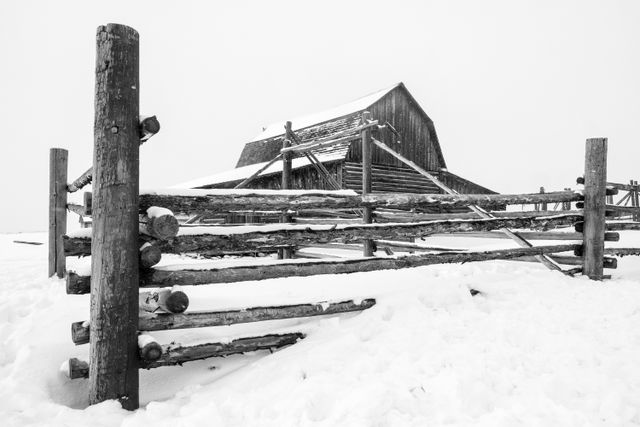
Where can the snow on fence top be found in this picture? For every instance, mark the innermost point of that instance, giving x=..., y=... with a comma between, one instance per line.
x=173, y=191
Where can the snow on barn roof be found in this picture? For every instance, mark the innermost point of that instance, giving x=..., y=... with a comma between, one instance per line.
x=244, y=172
x=276, y=129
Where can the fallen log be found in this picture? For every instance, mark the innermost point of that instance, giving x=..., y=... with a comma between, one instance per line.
x=178, y=355
x=168, y=300
x=159, y=223
x=201, y=202
x=230, y=240
x=202, y=319
x=77, y=284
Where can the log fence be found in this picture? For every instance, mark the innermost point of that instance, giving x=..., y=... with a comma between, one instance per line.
x=131, y=231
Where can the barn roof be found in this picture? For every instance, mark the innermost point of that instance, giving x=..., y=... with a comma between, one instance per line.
x=360, y=104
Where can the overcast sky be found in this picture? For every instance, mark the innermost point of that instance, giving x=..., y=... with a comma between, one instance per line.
x=514, y=87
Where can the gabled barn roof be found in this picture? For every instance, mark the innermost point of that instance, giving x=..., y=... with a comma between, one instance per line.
x=267, y=144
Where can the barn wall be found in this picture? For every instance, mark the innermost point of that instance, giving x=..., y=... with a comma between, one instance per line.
x=305, y=178
x=417, y=135
x=388, y=179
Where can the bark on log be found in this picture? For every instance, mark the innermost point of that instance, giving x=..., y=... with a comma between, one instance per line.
x=114, y=299
x=179, y=355
x=159, y=223
x=225, y=203
x=77, y=284
x=168, y=300
x=202, y=319
x=150, y=255
x=620, y=252
x=215, y=244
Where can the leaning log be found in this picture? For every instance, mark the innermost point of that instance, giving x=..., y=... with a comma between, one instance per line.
x=198, y=201
x=255, y=239
x=77, y=284
x=179, y=355
x=202, y=319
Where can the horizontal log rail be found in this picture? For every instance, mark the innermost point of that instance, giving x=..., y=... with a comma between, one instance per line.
x=201, y=202
x=529, y=235
x=201, y=319
x=222, y=240
x=77, y=284
x=417, y=216
x=172, y=355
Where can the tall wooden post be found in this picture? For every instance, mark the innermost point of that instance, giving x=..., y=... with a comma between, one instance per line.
x=366, y=177
x=113, y=363
x=595, y=186
x=57, y=209
x=286, y=183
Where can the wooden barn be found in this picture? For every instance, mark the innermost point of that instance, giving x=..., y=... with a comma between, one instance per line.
x=403, y=126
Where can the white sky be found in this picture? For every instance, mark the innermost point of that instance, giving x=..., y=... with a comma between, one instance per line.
x=514, y=87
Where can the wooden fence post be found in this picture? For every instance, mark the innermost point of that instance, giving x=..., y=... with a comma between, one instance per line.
x=113, y=353
x=566, y=206
x=595, y=185
x=57, y=209
x=635, y=199
x=366, y=177
x=286, y=253
x=543, y=205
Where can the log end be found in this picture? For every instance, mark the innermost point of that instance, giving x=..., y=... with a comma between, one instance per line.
x=150, y=255
x=177, y=302
x=151, y=351
x=77, y=368
x=80, y=333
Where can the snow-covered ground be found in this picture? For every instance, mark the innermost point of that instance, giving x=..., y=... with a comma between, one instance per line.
x=535, y=348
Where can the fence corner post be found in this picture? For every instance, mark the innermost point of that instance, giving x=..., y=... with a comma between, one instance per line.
x=113, y=351
x=595, y=185
x=58, y=160
x=365, y=135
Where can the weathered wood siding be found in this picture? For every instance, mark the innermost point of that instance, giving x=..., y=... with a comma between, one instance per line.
x=461, y=185
x=387, y=179
x=418, y=140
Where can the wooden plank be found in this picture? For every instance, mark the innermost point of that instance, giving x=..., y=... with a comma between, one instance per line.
x=58, y=159
x=214, y=203
x=77, y=284
x=201, y=319
x=255, y=240
x=114, y=298
x=595, y=183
